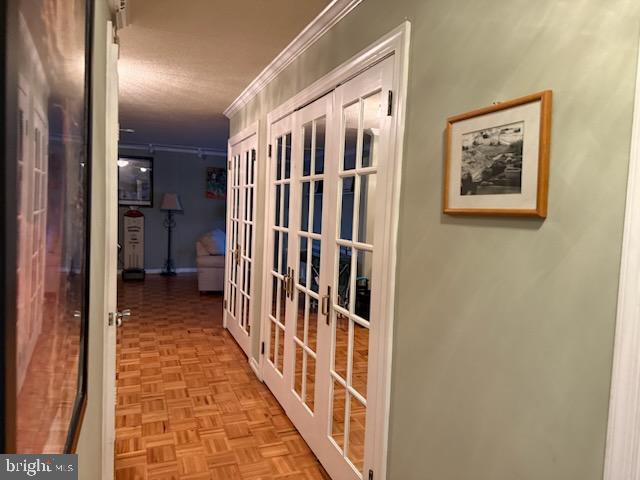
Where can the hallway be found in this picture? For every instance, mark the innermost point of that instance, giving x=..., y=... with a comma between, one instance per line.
x=188, y=404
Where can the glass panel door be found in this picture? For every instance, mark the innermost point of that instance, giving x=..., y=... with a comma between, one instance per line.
x=358, y=207
x=307, y=334
x=279, y=284
x=240, y=243
x=47, y=215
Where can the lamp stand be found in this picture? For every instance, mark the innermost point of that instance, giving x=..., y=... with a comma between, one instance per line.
x=169, y=268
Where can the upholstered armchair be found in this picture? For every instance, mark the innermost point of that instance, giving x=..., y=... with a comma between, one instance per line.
x=210, y=250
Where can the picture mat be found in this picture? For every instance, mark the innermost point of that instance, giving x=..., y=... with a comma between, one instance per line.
x=528, y=113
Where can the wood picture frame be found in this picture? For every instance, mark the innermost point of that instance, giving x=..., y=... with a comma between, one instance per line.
x=497, y=159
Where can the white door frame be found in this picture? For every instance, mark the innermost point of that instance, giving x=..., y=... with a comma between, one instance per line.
x=396, y=44
x=623, y=437
x=111, y=256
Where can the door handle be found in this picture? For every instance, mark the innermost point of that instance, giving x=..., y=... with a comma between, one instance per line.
x=285, y=284
x=292, y=275
x=325, y=304
x=116, y=318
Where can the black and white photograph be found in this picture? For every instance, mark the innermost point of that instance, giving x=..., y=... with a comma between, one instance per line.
x=492, y=161
x=497, y=159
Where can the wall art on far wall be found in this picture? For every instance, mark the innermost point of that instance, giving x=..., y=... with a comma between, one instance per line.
x=216, y=183
x=135, y=181
x=497, y=159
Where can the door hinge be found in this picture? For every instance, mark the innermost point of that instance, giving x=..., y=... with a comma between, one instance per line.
x=269, y=150
x=262, y=348
x=370, y=474
x=225, y=303
x=229, y=164
x=390, y=104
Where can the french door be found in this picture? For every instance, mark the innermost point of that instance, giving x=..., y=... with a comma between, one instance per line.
x=240, y=240
x=278, y=285
x=327, y=219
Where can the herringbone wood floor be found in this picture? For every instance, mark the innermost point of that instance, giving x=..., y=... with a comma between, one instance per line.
x=188, y=404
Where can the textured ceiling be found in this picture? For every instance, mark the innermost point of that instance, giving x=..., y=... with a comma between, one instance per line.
x=183, y=62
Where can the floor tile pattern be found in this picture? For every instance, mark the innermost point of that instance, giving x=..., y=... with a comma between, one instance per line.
x=188, y=405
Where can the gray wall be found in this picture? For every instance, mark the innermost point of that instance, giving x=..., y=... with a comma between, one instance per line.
x=184, y=174
x=504, y=327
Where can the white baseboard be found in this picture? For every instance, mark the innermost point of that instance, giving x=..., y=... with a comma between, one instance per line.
x=154, y=271
x=253, y=363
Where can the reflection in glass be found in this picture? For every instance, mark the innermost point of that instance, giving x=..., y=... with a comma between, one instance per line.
x=274, y=295
x=315, y=265
x=310, y=381
x=302, y=274
x=306, y=158
x=304, y=207
x=297, y=379
x=357, y=423
x=300, y=317
x=279, y=158
x=285, y=251
x=372, y=119
x=285, y=209
x=317, y=206
x=280, y=359
x=52, y=201
x=360, y=361
x=341, y=339
x=346, y=211
x=366, y=210
x=278, y=204
x=351, y=114
x=287, y=156
x=312, y=327
x=363, y=284
x=272, y=342
x=337, y=413
x=276, y=249
x=344, y=276
x=320, y=145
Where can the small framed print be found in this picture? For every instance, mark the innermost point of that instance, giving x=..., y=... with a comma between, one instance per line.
x=497, y=159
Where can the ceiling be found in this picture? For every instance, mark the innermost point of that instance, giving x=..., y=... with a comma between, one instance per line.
x=182, y=63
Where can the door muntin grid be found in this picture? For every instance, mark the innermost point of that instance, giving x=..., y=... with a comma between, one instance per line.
x=353, y=264
x=233, y=237
x=310, y=186
x=247, y=233
x=281, y=185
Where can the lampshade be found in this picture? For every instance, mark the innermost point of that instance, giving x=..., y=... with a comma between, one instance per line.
x=171, y=201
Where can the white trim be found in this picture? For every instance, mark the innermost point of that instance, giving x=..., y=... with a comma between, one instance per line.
x=394, y=43
x=156, y=271
x=242, y=135
x=255, y=366
x=623, y=437
x=332, y=14
x=151, y=148
x=389, y=44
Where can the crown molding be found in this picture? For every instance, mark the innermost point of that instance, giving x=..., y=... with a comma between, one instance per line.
x=332, y=14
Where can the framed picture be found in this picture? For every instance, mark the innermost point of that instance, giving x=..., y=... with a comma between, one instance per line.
x=497, y=159
x=216, y=183
x=135, y=181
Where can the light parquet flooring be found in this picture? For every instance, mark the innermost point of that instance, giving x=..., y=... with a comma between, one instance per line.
x=188, y=405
